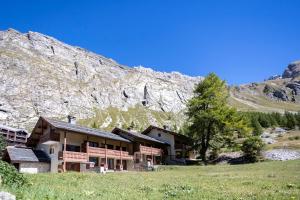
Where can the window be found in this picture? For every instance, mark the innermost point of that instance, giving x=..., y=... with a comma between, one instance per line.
x=124, y=149
x=117, y=147
x=109, y=146
x=159, y=135
x=72, y=148
x=51, y=150
x=93, y=144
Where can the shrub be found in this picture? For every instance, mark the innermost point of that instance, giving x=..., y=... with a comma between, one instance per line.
x=214, y=154
x=252, y=147
x=10, y=176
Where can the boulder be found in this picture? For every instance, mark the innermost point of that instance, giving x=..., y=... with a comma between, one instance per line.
x=276, y=93
x=295, y=86
x=292, y=71
x=7, y=196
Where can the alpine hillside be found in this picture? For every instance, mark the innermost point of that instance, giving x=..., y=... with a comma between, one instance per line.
x=41, y=76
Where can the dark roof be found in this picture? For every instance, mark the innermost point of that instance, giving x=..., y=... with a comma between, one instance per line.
x=13, y=129
x=21, y=154
x=41, y=155
x=84, y=130
x=138, y=135
x=164, y=130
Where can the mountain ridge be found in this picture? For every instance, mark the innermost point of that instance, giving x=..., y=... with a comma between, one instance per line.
x=41, y=75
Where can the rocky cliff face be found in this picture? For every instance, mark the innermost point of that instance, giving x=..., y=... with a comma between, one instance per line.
x=40, y=75
x=278, y=93
x=292, y=71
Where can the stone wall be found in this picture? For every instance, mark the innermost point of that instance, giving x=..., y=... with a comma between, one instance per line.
x=34, y=167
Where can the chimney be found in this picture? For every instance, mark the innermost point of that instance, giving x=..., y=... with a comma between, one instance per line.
x=71, y=119
x=166, y=127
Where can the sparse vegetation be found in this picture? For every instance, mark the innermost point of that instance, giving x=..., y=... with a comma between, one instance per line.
x=286, y=141
x=140, y=116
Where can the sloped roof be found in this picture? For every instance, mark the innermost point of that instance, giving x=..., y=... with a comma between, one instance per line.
x=138, y=135
x=12, y=129
x=41, y=155
x=146, y=131
x=21, y=154
x=84, y=130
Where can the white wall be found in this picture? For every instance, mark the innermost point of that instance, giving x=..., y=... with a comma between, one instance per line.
x=33, y=168
x=53, y=157
x=165, y=137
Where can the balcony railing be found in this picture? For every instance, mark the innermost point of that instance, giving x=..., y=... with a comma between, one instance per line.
x=71, y=156
x=102, y=152
x=150, y=150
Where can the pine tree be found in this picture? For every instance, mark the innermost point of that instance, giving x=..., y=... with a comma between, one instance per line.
x=257, y=129
x=290, y=120
x=210, y=117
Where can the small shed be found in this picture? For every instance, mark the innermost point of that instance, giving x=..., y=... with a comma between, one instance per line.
x=27, y=160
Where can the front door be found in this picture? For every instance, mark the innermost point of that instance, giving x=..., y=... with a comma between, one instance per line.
x=124, y=163
x=111, y=164
x=73, y=166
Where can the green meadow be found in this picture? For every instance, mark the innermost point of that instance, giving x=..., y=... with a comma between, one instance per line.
x=265, y=180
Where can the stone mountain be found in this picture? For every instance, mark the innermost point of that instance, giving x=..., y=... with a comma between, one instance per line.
x=40, y=75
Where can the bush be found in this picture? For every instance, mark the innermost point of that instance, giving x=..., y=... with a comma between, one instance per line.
x=10, y=176
x=252, y=147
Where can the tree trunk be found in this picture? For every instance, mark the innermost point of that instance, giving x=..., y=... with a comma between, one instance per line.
x=203, y=149
x=203, y=155
x=205, y=143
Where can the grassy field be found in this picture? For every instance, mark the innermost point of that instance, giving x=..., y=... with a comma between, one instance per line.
x=267, y=180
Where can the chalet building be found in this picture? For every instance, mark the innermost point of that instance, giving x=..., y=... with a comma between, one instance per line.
x=58, y=146
x=76, y=148
x=148, y=151
x=179, y=148
x=13, y=136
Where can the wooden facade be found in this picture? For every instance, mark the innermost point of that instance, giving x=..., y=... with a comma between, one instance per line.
x=13, y=136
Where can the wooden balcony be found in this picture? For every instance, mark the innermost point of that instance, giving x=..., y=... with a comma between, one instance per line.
x=71, y=156
x=109, y=153
x=150, y=150
x=53, y=136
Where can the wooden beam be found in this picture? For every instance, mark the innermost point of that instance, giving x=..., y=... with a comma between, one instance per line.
x=151, y=155
x=65, y=149
x=121, y=164
x=106, y=167
x=87, y=146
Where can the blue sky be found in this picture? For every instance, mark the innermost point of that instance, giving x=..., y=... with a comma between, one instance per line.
x=242, y=41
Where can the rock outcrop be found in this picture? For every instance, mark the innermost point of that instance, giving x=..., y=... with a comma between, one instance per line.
x=40, y=75
x=277, y=93
x=292, y=71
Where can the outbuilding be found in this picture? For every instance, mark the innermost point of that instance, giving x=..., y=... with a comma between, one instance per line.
x=27, y=160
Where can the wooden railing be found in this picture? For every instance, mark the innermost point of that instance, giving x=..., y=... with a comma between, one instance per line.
x=150, y=150
x=71, y=156
x=102, y=152
x=95, y=151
